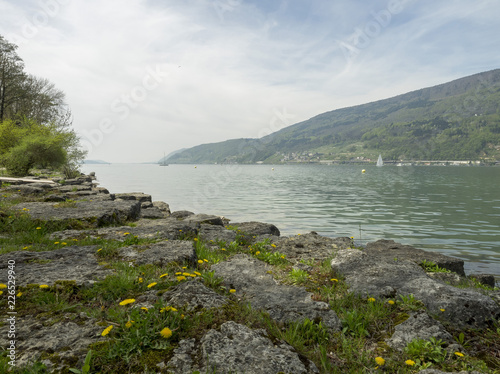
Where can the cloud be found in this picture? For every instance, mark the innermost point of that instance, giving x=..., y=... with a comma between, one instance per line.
x=226, y=66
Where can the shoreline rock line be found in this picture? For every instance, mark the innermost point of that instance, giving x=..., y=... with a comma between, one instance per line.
x=82, y=237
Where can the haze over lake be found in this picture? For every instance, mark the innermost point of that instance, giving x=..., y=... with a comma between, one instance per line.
x=451, y=210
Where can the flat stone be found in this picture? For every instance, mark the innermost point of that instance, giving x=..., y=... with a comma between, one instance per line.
x=237, y=349
x=181, y=214
x=370, y=275
x=214, y=233
x=135, y=196
x=194, y=295
x=418, y=326
x=66, y=340
x=310, y=246
x=251, y=280
x=73, y=263
x=206, y=219
x=74, y=188
x=94, y=213
x=163, y=206
x=152, y=213
x=389, y=249
x=26, y=189
x=160, y=254
x=257, y=228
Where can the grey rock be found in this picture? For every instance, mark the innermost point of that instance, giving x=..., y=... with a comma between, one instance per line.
x=75, y=188
x=135, y=196
x=194, y=295
x=418, y=326
x=55, y=198
x=214, y=233
x=389, y=249
x=371, y=275
x=152, y=213
x=66, y=340
x=251, y=280
x=160, y=254
x=102, y=190
x=80, y=180
x=206, y=219
x=237, y=349
x=310, y=246
x=163, y=206
x=484, y=279
x=26, y=189
x=73, y=263
x=181, y=214
x=257, y=228
x=94, y=213
x=146, y=204
x=452, y=279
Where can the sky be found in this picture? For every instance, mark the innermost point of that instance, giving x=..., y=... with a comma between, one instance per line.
x=144, y=78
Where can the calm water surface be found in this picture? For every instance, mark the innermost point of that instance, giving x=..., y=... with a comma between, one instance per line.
x=451, y=210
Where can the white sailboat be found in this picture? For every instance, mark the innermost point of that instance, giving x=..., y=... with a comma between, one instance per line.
x=380, y=162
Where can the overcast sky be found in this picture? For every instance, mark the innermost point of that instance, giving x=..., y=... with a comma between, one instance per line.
x=147, y=77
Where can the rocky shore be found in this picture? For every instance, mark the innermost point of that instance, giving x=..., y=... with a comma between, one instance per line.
x=147, y=290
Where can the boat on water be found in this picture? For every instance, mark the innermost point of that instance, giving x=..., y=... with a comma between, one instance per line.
x=380, y=162
x=162, y=162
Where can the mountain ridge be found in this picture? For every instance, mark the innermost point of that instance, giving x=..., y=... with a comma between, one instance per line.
x=454, y=120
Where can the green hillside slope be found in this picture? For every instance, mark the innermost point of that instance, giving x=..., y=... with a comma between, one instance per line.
x=459, y=120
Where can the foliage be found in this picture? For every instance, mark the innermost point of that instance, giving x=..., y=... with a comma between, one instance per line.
x=431, y=267
x=426, y=350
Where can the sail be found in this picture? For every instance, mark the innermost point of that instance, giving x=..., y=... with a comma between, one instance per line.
x=379, y=161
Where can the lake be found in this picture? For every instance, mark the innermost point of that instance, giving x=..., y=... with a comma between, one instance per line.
x=451, y=210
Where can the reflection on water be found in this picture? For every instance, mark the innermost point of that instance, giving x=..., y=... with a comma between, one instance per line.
x=452, y=210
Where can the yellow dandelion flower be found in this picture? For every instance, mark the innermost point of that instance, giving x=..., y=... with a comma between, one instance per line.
x=257, y=253
x=180, y=230
x=56, y=242
x=127, y=301
x=19, y=294
x=144, y=308
x=166, y=333
x=442, y=310
x=182, y=316
x=63, y=243
x=126, y=233
x=273, y=245
x=38, y=228
x=195, y=239
x=99, y=250
x=232, y=290
x=205, y=260
x=163, y=275
x=107, y=330
x=198, y=274
x=410, y=362
x=334, y=280
x=200, y=261
x=1, y=292
x=75, y=240
x=152, y=284
x=282, y=256
x=181, y=278
x=391, y=302
x=25, y=247
x=371, y=299
x=186, y=274
x=223, y=249
x=380, y=361
x=178, y=273
x=3, y=285
x=129, y=324
x=44, y=286
x=459, y=354
x=141, y=280
x=184, y=267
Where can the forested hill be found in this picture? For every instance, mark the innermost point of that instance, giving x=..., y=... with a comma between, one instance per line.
x=459, y=120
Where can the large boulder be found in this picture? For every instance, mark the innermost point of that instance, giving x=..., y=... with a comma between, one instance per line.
x=193, y=295
x=134, y=196
x=237, y=349
x=371, y=275
x=93, y=213
x=251, y=279
x=257, y=228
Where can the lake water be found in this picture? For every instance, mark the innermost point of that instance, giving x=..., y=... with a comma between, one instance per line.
x=451, y=210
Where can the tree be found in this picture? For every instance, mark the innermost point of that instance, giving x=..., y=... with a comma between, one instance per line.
x=11, y=78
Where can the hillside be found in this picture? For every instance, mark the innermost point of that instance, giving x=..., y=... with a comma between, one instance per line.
x=459, y=120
